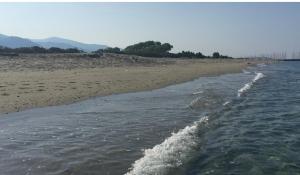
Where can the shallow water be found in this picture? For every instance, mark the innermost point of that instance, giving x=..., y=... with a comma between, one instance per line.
x=218, y=126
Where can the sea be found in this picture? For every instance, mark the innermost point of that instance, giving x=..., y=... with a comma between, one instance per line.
x=233, y=124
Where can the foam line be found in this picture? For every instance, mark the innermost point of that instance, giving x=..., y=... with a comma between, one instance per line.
x=171, y=153
x=199, y=92
x=247, y=86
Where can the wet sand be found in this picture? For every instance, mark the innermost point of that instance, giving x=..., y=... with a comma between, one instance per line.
x=41, y=80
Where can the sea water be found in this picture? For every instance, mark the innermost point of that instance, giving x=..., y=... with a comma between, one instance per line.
x=245, y=123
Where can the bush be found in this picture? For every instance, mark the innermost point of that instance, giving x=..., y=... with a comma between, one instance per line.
x=36, y=49
x=149, y=49
x=156, y=49
x=216, y=55
x=112, y=50
x=186, y=54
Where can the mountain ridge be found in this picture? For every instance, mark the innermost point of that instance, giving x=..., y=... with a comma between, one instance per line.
x=16, y=42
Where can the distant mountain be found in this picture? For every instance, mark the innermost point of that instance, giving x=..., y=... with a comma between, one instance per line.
x=2, y=36
x=54, y=44
x=66, y=43
x=15, y=42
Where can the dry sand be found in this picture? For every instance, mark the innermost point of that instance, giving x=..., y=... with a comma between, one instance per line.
x=35, y=81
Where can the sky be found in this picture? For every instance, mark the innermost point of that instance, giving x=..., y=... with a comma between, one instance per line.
x=235, y=29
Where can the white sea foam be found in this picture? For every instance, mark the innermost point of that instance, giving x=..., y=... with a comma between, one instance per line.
x=246, y=72
x=247, y=86
x=258, y=76
x=261, y=65
x=171, y=153
x=226, y=103
x=198, y=92
x=194, y=101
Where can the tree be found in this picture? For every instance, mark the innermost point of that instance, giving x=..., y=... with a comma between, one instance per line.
x=112, y=50
x=37, y=49
x=55, y=50
x=216, y=55
x=187, y=54
x=73, y=50
x=199, y=55
x=149, y=49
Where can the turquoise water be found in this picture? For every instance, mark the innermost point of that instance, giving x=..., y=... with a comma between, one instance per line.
x=246, y=123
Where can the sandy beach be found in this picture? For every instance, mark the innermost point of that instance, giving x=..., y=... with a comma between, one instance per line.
x=28, y=81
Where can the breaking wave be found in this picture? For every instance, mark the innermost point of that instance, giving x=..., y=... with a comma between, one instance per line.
x=226, y=103
x=198, y=92
x=246, y=72
x=171, y=153
x=176, y=150
x=247, y=86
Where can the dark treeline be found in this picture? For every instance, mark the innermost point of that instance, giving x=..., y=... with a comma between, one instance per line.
x=157, y=49
x=146, y=49
x=36, y=49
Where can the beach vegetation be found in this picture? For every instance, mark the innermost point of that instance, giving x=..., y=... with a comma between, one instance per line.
x=116, y=50
x=149, y=49
x=146, y=49
x=216, y=55
x=37, y=49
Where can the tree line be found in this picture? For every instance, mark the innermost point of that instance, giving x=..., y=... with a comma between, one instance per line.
x=146, y=49
x=157, y=49
x=37, y=49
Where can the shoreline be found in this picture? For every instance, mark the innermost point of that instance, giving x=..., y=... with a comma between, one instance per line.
x=26, y=89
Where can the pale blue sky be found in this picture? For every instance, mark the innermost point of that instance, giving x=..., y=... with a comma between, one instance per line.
x=237, y=29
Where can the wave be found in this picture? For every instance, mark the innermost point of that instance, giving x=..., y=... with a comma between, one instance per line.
x=261, y=65
x=199, y=92
x=171, y=153
x=246, y=72
x=247, y=86
x=194, y=102
x=226, y=103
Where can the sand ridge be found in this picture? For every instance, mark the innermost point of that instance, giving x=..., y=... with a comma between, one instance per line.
x=27, y=88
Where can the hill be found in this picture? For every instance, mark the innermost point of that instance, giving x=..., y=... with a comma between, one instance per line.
x=66, y=43
x=17, y=42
